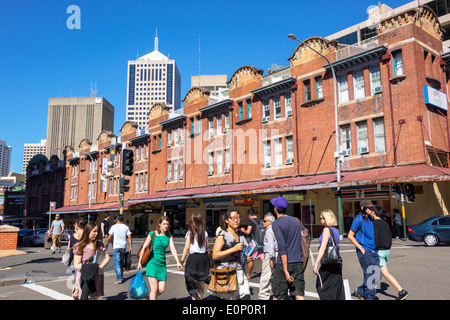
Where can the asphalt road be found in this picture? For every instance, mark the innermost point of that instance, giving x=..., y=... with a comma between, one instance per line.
x=423, y=271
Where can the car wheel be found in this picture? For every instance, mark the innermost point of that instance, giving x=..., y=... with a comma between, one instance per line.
x=431, y=240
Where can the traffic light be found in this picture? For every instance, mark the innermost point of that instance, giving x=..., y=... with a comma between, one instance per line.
x=409, y=192
x=127, y=162
x=123, y=184
x=396, y=191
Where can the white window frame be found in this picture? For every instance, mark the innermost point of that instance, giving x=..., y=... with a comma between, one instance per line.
x=379, y=134
x=278, y=152
x=219, y=156
x=375, y=79
x=290, y=147
x=362, y=134
x=267, y=154
x=277, y=107
x=358, y=84
x=346, y=139
x=343, y=89
x=288, y=104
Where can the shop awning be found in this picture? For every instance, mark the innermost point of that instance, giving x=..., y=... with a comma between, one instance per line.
x=95, y=207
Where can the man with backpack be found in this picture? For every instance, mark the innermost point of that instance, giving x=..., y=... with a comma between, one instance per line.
x=256, y=229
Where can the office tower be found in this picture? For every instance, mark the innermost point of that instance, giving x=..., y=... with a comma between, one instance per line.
x=30, y=150
x=152, y=78
x=5, y=158
x=73, y=119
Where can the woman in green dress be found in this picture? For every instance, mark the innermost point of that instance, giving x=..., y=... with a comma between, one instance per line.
x=156, y=269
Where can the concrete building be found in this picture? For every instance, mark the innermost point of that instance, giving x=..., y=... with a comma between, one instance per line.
x=30, y=150
x=72, y=119
x=5, y=159
x=152, y=78
x=274, y=134
x=212, y=83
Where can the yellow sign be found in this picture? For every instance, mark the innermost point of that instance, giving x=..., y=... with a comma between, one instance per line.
x=294, y=197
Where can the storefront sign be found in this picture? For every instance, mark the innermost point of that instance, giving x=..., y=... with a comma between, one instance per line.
x=243, y=202
x=435, y=98
x=294, y=197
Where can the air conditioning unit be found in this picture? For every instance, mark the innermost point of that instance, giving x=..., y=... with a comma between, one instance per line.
x=265, y=119
x=210, y=173
x=364, y=150
x=289, y=161
x=225, y=130
x=347, y=152
x=169, y=145
x=289, y=113
x=168, y=179
x=267, y=165
x=180, y=177
x=226, y=170
x=377, y=90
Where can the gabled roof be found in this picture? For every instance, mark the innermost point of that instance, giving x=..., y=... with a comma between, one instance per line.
x=155, y=55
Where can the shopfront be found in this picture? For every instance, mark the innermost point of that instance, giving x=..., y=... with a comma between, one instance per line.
x=214, y=207
x=176, y=211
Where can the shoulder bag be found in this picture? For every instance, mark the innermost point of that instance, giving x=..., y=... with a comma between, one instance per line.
x=305, y=243
x=331, y=255
x=223, y=280
x=148, y=251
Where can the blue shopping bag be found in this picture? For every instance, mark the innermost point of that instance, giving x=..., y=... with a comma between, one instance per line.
x=138, y=288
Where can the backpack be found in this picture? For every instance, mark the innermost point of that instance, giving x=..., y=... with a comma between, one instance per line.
x=259, y=234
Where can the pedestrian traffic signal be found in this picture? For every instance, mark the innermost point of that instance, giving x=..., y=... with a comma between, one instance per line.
x=127, y=162
x=123, y=184
x=409, y=192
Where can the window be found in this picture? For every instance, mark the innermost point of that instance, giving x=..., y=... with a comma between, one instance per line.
x=227, y=160
x=198, y=124
x=346, y=140
x=241, y=111
x=398, y=63
x=287, y=104
x=249, y=108
x=277, y=107
x=289, y=148
x=378, y=127
x=210, y=127
x=175, y=137
x=319, y=88
x=175, y=170
x=375, y=79
x=169, y=139
x=267, y=156
x=181, y=135
x=363, y=137
x=192, y=125
x=219, y=161
x=266, y=110
x=227, y=121
x=307, y=85
x=169, y=170
x=358, y=84
x=278, y=153
x=181, y=167
x=219, y=124
x=343, y=89
x=211, y=163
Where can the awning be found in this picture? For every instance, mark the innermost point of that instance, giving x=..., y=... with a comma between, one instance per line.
x=95, y=207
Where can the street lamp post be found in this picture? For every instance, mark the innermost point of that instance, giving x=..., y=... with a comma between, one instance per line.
x=336, y=122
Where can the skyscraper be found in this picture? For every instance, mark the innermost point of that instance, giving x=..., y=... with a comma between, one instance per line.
x=73, y=119
x=30, y=150
x=152, y=78
x=5, y=158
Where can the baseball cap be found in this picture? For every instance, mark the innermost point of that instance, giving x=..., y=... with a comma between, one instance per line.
x=366, y=204
x=280, y=203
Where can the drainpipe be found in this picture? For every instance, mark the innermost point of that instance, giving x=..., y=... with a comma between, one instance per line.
x=444, y=82
x=385, y=59
x=297, y=138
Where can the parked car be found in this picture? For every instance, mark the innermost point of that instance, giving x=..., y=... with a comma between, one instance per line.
x=65, y=236
x=35, y=237
x=21, y=235
x=431, y=231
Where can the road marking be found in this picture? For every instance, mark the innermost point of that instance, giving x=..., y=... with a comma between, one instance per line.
x=47, y=292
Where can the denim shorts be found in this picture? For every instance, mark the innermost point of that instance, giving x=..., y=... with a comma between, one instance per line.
x=384, y=257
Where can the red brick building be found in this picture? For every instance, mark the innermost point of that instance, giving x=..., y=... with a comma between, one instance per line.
x=275, y=134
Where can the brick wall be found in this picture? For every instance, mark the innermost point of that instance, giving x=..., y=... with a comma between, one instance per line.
x=8, y=237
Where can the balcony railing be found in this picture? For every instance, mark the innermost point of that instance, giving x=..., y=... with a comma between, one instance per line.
x=277, y=76
x=352, y=50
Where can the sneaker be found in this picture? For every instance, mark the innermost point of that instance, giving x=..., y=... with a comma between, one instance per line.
x=403, y=294
x=358, y=295
x=53, y=251
x=59, y=250
x=118, y=281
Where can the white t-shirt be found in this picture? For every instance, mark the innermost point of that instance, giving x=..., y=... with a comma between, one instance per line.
x=120, y=232
x=194, y=248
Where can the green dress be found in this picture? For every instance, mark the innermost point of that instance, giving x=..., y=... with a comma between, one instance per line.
x=156, y=267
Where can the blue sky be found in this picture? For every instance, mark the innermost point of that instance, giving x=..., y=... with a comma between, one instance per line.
x=40, y=57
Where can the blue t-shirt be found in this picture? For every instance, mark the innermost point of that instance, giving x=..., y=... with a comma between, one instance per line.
x=364, y=232
x=288, y=234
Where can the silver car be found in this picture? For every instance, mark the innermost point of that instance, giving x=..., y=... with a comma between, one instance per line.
x=35, y=237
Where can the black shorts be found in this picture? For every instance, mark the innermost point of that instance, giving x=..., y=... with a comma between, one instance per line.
x=280, y=286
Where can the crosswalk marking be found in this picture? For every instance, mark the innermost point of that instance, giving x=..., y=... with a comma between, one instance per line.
x=47, y=292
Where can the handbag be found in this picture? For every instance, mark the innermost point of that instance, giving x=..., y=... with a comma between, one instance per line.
x=138, y=288
x=148, y=251
x=331, y=255
x=223, y=280
x=305, y=244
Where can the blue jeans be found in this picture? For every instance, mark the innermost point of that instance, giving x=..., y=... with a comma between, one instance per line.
x=370, y=264
x=118, y=255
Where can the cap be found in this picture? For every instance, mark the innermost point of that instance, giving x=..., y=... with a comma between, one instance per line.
x=280, y=203
x=366, y=204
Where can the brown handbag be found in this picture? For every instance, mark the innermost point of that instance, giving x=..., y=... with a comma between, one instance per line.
x=223, y=280
x=148, y=251
x=305, y=244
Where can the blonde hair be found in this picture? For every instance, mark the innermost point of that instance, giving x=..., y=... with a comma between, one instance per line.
x=329, y=217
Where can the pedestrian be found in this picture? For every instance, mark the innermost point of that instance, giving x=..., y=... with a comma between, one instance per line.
x=90, y=259
x=104, y=226
x=197, y=265
x=361, y=235
x=383, y=244
x=156, y=269
x=227, y=250
x=288, y=273
x=398, y=224
x=329, y=283
x=254, y=226
x=120, y=232
x=270, y=254
x=75, y=237
x=56, y=230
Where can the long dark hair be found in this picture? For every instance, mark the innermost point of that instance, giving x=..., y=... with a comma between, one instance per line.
x=197, y=229
x=85, y=237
